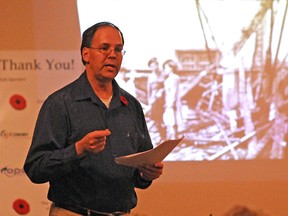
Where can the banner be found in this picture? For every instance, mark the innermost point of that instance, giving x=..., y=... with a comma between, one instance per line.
x=27, y=78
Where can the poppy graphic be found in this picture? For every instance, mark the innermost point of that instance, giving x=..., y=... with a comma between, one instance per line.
x=124, y=100
x=18, y=102
x=21, y=206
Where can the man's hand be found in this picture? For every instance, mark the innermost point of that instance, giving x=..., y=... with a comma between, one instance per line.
x=94, y=142
x=151, y=172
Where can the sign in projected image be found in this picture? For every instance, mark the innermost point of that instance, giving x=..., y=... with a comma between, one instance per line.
x=211, y=71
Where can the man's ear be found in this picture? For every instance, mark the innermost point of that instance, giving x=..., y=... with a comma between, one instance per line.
x=85, y=54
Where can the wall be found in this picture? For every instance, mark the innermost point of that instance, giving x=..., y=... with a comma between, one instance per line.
x=51, y=27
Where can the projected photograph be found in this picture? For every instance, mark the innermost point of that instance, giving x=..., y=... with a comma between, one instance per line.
x=215, y=71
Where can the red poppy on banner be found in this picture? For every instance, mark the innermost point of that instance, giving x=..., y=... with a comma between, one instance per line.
x=124, y=100
x=21, y=206
x=18, y=102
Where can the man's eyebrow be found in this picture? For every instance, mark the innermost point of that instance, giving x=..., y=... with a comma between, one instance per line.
x=107, y=44
x=104, y=44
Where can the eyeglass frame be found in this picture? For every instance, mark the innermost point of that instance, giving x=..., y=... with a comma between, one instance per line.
x=107, y=51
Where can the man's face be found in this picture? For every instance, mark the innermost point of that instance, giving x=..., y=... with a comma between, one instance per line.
x=154, y=66
x=103, y=62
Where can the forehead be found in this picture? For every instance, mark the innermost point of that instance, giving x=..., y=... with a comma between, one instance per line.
x=107, y=34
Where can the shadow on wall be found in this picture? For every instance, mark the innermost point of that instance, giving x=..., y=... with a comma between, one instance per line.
x=244, y=211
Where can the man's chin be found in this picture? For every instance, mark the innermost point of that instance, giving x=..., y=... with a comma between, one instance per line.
x=109, y=76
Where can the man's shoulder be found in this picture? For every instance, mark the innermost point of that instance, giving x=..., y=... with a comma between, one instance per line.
x=67, y=90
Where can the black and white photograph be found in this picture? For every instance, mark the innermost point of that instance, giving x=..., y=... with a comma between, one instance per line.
x=221, y=81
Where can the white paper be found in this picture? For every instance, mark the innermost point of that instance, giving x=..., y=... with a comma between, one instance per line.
x=151, y=156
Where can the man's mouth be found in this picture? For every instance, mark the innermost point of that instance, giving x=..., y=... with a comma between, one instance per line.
x=110, y=65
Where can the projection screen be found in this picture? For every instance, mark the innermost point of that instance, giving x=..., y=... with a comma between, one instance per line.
x=227, y=93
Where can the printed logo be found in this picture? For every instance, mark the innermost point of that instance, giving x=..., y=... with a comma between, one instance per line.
x=18, y=102
x=11, y=172
x=6, y=134
x=21, y=206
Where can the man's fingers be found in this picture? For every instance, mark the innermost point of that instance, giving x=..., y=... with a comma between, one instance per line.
x=100, y=133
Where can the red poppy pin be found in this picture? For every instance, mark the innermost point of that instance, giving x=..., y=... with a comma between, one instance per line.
x=21, y=206
x=124, y=100
x=18, y=102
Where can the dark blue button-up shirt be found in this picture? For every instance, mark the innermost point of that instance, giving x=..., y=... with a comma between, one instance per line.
x=93, y=181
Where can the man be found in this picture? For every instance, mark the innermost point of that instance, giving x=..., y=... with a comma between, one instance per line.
x=156, y=99
x=172, y=115
x=80, y=130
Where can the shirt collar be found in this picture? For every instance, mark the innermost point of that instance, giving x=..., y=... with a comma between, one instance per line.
x=84, y=91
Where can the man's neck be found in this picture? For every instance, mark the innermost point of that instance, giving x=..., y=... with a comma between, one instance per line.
x=103, y=89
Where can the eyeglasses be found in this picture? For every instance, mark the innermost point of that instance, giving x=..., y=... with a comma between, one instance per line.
x=107, y=51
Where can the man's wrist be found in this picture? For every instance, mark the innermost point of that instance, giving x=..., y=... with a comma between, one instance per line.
x=79, y=149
